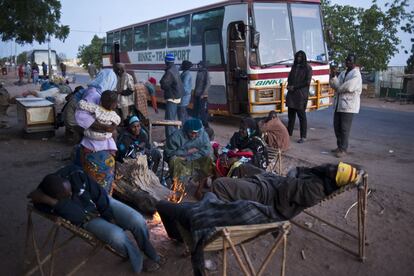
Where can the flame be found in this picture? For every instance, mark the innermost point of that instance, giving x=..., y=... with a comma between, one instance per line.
x=156, y=218
x=178, y=191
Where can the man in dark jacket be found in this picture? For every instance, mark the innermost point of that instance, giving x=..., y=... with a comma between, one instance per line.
x=71, y=194
x=290, y=195
x=299, y=81
x=173, y=90
x=201, y=88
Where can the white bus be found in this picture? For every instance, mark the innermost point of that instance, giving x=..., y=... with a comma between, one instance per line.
x=248, y=47
x=40, y=56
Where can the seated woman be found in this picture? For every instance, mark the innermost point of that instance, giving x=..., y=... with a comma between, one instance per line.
x=245, y=146
x=134, y=139
x=275, y=132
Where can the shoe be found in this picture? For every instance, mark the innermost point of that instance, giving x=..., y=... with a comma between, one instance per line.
x=301, y=140
x=340, y=154
x=335, y=150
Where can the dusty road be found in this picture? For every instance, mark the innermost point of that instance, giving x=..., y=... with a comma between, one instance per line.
x=381, y=140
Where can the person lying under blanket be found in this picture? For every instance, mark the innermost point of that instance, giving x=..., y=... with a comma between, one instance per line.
x=263, y=198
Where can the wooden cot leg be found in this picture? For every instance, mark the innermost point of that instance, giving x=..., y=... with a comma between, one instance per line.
x=246, y=256
x=283, y=269
x=37, y=253
x=270, y=255
x=94, y=251
x=236, y=254
x=55, y=235
x=224, y=256
x=29, y=230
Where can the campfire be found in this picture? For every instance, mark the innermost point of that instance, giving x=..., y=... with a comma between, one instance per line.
x=178, y=191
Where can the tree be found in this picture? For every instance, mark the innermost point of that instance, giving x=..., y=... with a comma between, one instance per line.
x=31, y=20
x=372, y=34
x=22, y=57
x=409, y=69
x=91, y=53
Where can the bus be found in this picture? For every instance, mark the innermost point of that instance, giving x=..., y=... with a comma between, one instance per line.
x=40, y=56
x=248, y=47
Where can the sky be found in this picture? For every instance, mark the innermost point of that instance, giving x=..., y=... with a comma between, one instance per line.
x=87, y=18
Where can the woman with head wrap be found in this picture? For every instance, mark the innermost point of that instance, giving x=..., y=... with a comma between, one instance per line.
x=299, y=80
x=97, y=156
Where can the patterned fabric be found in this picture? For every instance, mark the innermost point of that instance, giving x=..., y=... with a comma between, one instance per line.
x=100, y=166
x=141, y=98
x=183, y=168
x=103, y=116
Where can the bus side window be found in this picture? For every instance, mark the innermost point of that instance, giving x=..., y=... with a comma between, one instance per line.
x=158, y=35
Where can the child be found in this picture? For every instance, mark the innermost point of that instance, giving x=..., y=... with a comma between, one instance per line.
x=104, y=114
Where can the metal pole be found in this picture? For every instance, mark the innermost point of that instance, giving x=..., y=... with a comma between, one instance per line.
x=49, y=53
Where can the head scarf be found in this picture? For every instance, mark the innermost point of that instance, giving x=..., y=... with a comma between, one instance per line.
x=169, y=57
x=105, y=80
x=132, y=120
x=304, y=59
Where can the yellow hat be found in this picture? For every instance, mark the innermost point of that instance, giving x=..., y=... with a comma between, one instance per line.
x=345, y=174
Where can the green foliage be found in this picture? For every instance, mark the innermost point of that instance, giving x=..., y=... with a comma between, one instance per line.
x=372, y=34
x=91, y=53
x=22, y=58
x=31, y=20
x=409, y=69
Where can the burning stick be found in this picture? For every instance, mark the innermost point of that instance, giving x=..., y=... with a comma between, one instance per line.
x=178, y=191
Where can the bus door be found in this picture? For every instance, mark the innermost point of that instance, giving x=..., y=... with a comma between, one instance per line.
x=237, y=69
x=214, y=60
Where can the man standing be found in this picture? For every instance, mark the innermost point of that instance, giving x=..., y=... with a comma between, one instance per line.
x=63, y=69
x=299, y=81
x=187, y=84
x=44, y=69
x=348, y=88
x=173, y=90
x=201, y=88
x=92, y=71
x=125, y=89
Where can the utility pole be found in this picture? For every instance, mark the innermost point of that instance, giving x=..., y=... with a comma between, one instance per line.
x=49, y=54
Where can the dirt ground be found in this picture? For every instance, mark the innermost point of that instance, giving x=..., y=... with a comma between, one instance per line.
x=390, y=220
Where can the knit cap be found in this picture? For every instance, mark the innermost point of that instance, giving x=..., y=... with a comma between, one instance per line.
x=345, y=174
x=169, y=57
x=192, y=125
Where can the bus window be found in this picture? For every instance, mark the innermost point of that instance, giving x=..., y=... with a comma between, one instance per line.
x=307, y=27
x=141, y=38
x=126, y=40
x=179, y=31
x=110, y=38
x=212, y=47
x=272, y=22
x=116, y=37
x=158, y=35
x=212, y=19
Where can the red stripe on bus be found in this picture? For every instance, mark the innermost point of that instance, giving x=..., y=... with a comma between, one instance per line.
x=279, y=75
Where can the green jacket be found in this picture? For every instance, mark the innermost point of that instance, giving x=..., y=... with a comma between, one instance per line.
x=179, y=143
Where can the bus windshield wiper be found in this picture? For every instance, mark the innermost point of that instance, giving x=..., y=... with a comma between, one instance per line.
x=277, y=62
x=318, y=61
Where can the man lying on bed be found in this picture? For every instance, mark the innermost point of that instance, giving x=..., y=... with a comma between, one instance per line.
x=260, y=199
x=289, y=195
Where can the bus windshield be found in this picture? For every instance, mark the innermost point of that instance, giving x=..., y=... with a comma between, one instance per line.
x=277, y=43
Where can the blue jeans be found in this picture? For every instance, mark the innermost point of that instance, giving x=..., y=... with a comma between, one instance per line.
x=126, y=218
x=170, y=114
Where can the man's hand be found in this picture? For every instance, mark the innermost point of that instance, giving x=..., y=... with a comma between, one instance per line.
x=37, y=196
x=192, y=150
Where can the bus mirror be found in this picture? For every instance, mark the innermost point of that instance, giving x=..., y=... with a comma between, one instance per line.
x=255, y=39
